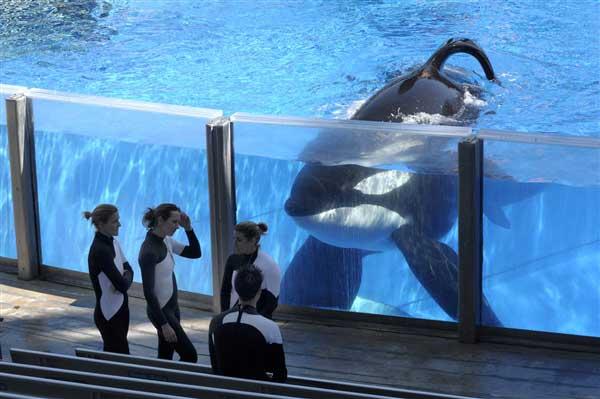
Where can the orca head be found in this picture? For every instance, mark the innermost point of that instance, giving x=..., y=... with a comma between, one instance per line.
x=319, y=188
x=348, y=206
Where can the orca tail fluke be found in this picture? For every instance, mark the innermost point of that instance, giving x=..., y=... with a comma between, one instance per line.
x=453, y=46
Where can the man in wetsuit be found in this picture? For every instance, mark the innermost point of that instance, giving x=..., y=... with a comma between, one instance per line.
x=241, y=342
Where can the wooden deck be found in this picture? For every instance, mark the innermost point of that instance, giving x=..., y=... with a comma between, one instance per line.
x=53, y=317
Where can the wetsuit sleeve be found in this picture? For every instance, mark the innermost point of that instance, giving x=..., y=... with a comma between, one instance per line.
x=211, y=348
x=276, y=361
x=267, y=303
x=226, y=284
x=192, y=250
x=148, y=261
x=107, y=265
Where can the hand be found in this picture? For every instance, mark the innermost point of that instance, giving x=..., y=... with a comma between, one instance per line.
x=185, y=221
x=168, y=333
x=128, y=276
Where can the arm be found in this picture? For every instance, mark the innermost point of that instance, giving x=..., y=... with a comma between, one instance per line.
x=212, y=350
x=226, y=285
x=107, y=265
x=147, y=265
x=276, y=362
x=192, y=250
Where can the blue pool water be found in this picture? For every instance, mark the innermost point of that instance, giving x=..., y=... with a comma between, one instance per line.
x=309, y=58
x=319, y=59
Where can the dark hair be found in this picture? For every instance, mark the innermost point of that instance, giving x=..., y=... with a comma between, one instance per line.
x=247, y=282
x=252, y=230
x=101, y=213
x=163, y=210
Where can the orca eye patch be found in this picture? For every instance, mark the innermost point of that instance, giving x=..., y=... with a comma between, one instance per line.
x=382, y=183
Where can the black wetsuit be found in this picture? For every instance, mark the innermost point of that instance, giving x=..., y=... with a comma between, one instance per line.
x=244, y=344
x=269, y=297
x=160, y=289
x=107, y=264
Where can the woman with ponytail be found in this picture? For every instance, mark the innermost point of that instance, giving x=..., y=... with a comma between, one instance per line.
x=247, y=253
x=111, y=277
x=160, y=286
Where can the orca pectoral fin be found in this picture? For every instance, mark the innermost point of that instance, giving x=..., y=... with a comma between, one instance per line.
x=322, y=275
x=497, y=216
x=433, y=263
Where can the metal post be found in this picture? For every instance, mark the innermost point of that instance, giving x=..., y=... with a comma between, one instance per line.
x=221, y=189
x=470, y=237
x=21, y=149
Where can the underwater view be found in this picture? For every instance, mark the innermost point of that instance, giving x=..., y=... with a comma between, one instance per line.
x=379, y=235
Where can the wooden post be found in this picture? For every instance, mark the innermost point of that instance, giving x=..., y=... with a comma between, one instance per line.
x=221, y=188
x=21, y=149
x=470, y=237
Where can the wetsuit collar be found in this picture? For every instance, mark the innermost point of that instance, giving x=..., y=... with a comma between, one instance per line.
x=153, y=237
x=103, y=237
x=245, y=309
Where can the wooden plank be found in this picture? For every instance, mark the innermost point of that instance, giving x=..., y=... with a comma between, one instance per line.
x=179, y=377
x=46, y=319
x=21, y=149
x=62, y=389
x=295, y=380
x=132, y=384
x=9, y=395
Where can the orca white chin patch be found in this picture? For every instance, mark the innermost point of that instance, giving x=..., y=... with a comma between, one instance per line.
x=383, y=182
x=364, y=227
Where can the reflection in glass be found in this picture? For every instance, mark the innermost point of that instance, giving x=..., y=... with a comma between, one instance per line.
x=542, y=249
x=75, y=173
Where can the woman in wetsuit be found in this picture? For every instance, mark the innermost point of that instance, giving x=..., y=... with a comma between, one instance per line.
x=160, y=286
x=111, y=277
x=248, y=252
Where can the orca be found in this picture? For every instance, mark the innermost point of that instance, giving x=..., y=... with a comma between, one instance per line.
x=428, y=89
x=352, y=210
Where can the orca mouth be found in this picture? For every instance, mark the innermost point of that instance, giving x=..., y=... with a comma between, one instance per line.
x=295, y=208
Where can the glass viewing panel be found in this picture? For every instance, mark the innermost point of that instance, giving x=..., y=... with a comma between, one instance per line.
x=93, y=150
x=542, y=236
x=8, y=242
x=361, y=215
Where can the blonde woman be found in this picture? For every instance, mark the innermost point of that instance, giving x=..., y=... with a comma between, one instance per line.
x=111, y=277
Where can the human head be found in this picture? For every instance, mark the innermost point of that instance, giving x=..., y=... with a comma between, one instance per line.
x=247, y=235
x=247, y=283
x=105, y=217
x=162, y=220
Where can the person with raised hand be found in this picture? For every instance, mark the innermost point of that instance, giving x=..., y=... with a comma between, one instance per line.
x=160, y=285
